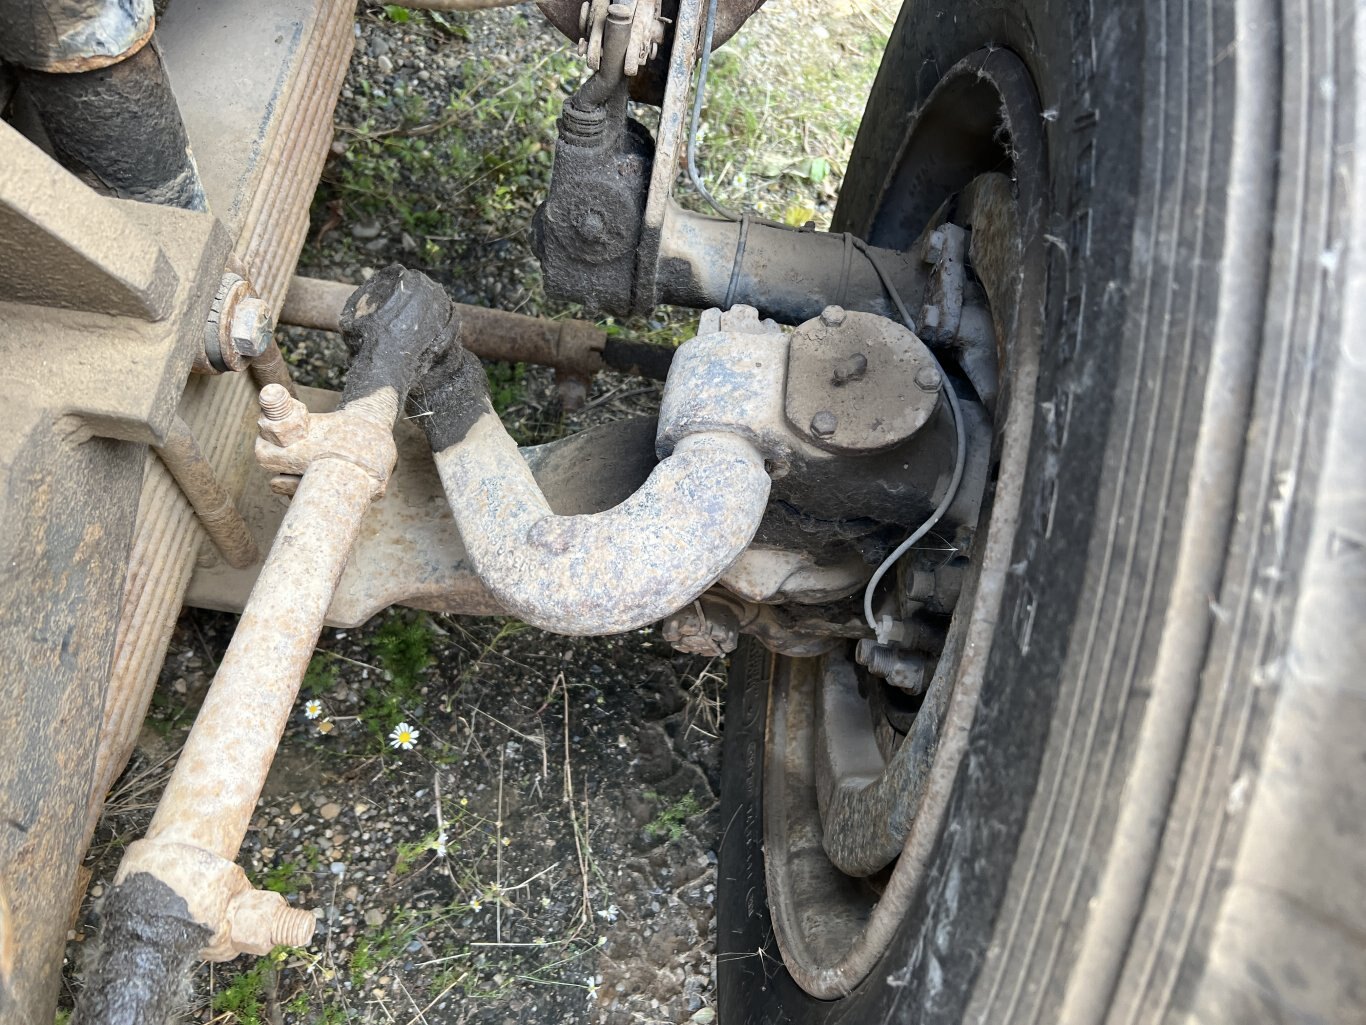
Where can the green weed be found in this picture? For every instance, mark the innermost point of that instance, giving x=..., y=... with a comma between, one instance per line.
x=670, y=821
x=506, y=384
x=320, y=676
x=243, y=999
x=403, y=646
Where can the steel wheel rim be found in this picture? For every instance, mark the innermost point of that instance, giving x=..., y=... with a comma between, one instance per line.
x=832, y=928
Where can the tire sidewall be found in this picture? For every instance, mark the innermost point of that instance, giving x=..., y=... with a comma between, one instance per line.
x=1095, y=161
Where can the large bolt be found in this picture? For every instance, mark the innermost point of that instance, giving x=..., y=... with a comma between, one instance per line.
x=833, y=316
x=928, y=379
x=823, y=424
x=252, y=327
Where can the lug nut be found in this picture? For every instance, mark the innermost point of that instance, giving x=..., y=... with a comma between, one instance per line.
x=928, y=379
x=833, y=316
x=823, y=424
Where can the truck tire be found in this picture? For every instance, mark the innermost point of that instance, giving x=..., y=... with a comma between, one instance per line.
x=1158, y=811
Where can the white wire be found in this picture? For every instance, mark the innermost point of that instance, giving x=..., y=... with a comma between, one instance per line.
x=960, y=432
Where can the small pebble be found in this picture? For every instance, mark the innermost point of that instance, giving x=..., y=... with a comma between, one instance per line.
x=330, y=811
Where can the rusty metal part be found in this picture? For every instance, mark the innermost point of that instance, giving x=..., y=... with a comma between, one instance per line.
x=608, y=81
x=592, y=19
x=260, y=138
x=73, y=35
x=668, y=147
x=343, y=460
x=574, y=348
x=730, y=377
x=161, y=293
x=270, y=368
x=786, y=273
x=164, y=550
x=238, y=330
x=649, y=86
x=647, y=32
x=90, y=116
x=409, y=551
x=710, y=627
x=292, y=439
x=260, y=133
x=902, y=669
x=208, y=802
x=946, y=250
x=212, y=504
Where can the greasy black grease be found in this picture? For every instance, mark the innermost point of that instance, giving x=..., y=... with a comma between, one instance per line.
x=454, y=394
x=405, y=332
x=398, y=324
x=138, y=971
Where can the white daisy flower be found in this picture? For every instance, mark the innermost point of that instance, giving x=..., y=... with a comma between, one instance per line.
x=440, y=845
x=313, y=708
x=404, y=736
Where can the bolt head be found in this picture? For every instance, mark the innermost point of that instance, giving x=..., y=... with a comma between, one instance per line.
x=928, y=379
x=252, y=327
x=833, y=316
x=823, y=424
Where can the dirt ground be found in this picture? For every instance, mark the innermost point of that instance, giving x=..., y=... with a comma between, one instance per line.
x=544, y=850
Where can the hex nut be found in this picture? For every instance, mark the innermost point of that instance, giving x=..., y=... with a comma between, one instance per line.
x=252, y=327
x=833, y=316
x=824, y=423
x=928, y=379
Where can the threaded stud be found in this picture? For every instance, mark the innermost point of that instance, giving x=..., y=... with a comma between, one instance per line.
x=292, y=927
x=274, y=402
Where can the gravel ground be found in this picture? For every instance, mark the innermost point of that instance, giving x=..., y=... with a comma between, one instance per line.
x=543, y=852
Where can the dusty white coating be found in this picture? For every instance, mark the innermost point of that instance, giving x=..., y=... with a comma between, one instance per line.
x=611, y=571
